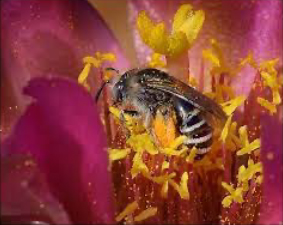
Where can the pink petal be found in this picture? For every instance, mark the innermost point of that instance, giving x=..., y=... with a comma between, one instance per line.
x=25, y=195
x=61, y=129
x=40, y=37
x=271, y=147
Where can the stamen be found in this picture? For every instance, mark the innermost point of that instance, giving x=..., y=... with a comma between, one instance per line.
x=117, y=154
x=230, y=106
x=127, y=211
x=146, y=214
x=268, y=105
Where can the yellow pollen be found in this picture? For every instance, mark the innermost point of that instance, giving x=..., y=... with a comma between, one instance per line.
x=249, y=148
x=235, y=195
x=157, y=61
x=146, y=214
x=127, y=211
x=182, y=189
x=191, y=156
x=165, y=130
x=138, y=165
x=96, y=62
x=267, y=105
x=225, y=131
x=117, y=154
x=165, y=165
x=230, y=106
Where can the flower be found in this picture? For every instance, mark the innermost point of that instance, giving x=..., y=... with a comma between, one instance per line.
x=159, y=181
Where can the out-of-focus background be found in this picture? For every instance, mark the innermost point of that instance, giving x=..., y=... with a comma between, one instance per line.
x=115, y=14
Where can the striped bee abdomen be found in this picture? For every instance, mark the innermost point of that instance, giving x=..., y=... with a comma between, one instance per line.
x=194, y=126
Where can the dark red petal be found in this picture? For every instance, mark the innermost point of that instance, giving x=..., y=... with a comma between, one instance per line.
x=63, y=132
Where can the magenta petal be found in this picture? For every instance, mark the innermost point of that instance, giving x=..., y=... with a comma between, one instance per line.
x=40, y=37
x=25, y=195
x=271, y=147
x=63, y=132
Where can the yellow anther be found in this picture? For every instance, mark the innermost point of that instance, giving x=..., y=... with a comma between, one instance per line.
x=182, y=189
x=269, y=65
x=186, y=26
x=225, y=131
x=243, y=135
x=230, y=106
x=142, y=142
x=160, y=179
x=245, y=174
x=249, y=148
x=82, y=79
x=192, y=81
x=127, y=211
x=165, y=165
x=157, y=61
x=191, y=156
x=96, y=62
x=235, y=195
x=210, y=56
x=171, y=151
x=146, y=214
x=177, y=142
x=117, y=154
x=93, y=61
x=267, y=105
x=164, y=189
x=138, y=165
x=249, y=59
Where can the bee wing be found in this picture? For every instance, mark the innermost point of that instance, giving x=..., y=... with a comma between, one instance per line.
x=189, y=94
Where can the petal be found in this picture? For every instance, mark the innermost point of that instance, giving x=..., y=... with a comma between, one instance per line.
x=48, y=36
x=271, y=152
x=63, y=132
x=25, y=195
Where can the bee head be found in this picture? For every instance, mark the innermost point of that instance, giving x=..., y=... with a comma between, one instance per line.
x=120, y=88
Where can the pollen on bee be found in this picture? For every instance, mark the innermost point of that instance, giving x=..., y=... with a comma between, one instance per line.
x=164, y=129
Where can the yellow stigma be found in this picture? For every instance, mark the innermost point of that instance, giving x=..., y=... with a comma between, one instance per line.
x=156, y=61
x=186, y=26
x=97, y=62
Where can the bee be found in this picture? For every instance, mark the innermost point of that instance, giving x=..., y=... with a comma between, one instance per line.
x=145, y=92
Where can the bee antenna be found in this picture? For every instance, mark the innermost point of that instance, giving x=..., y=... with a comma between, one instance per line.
x=113, y=69
x=100, y=90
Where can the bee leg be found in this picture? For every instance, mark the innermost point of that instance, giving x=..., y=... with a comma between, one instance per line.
x=122, y=118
